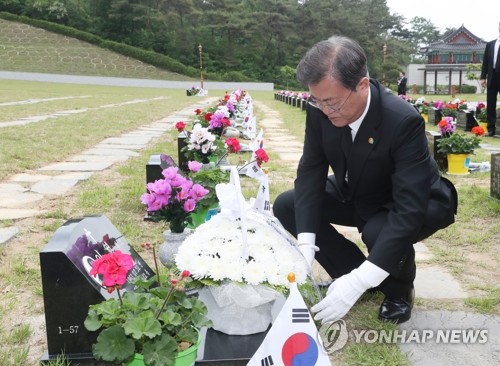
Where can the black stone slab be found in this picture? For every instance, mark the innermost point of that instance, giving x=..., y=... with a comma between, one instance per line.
x=432, y=142
x=495, y=176
x=229, y=350
x=68, y=288
x=434, y=115
x=181, y=143
x=155, y=166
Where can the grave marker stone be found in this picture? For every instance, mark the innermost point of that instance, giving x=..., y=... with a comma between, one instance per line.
x=495, y=176
x=432, y=142
x=434, y=115
x=69, y=289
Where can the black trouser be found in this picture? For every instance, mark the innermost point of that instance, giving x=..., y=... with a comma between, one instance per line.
x=491, y=101
x=337, y=254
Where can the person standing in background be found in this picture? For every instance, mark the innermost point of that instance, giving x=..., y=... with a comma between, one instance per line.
x=402, y=83
x=490, y=79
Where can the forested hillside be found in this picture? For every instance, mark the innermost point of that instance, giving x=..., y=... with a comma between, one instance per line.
x=262, y=39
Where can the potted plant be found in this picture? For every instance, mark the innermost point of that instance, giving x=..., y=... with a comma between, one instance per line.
x=458, y=147
x=156, y=324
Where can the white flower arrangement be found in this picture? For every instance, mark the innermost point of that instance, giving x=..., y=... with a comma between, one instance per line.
x=214, y=252
x=201, y=139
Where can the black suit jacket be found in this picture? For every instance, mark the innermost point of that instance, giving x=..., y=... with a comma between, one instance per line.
x=488, y=67
x=389, y=168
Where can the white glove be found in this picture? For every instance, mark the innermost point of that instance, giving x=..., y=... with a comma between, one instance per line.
x=346, y=290
x=308, y=251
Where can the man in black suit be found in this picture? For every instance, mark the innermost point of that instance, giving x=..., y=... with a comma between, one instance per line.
x=490, y=79
x=385, y=183
x=402, y=83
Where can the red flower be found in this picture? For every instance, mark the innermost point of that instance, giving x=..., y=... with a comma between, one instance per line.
x=233, y=144
x=226, y=122
x=261, y=156
x=478, y=131
x=114, y=267
x=208, y=116
x=197, y=111
x=185, y=274
x=180, y=126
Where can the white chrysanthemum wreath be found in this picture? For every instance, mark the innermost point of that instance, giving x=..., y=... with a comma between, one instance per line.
x=214, y=253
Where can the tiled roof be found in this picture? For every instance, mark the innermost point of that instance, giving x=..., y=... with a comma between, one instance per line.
x=459, y=40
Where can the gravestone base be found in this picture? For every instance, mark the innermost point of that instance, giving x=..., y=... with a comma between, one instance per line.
x=220, y=349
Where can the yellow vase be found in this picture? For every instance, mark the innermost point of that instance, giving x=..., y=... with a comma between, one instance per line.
x=484, y=125
x=458, y=164
x=425, y=116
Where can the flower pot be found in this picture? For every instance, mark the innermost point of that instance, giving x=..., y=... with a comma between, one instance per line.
x=202, y=215
x=458, y=164
x=169, y=248
x=183, y=358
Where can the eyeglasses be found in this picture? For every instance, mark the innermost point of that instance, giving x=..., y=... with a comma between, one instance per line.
x=321, y=105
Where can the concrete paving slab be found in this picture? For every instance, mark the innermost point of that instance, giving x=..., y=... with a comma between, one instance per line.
x=110, y=152
x=19, y=200
x=99, y=158
x=7, y=233
x=9, y=188
x=288, y=150
x=290, y=156
x=271, y=143
x=422, y=253
x=434, y=282
x=450, y=338
x=74, y=175
x=54, y=186
x=29, y=178
x=18, y=213
x=127, y=140
x=120, y=147
x=77, y=166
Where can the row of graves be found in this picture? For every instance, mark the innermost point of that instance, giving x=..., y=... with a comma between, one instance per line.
x=465, y=116
x=239, y=254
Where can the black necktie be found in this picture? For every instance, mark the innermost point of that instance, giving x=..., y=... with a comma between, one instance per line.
x=497, y=64
x=346, y=146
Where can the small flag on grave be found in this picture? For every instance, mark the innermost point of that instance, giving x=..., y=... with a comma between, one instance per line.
x=293, y=337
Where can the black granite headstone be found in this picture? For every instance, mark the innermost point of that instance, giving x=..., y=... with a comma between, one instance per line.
x=181, y=143
x=495, y=176
x=432, y=142
x=69, y=289
x=155, y=166
x=434, y=115
x=466, y=121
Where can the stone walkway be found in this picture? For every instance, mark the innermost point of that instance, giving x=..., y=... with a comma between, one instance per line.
x=20, y=194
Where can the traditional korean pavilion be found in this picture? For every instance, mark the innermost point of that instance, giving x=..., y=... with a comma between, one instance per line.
x=450, y=55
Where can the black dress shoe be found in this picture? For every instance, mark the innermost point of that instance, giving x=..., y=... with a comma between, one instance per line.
x=397, y=310
x=491, y=133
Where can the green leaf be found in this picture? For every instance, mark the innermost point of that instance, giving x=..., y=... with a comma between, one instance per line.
x=161, y=352
x=142, y=327
x=170, y=317
x=137, y=301
x=113, y=345
x=92, y=321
